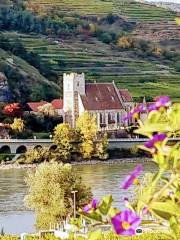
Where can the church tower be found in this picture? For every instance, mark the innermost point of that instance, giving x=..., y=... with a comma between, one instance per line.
x=73, y=84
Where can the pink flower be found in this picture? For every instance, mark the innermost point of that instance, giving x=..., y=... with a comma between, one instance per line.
x=129, y=180
x=157, y=138
x=163, y=101
x=134, y=113
x=91, y=207
x=125, y=223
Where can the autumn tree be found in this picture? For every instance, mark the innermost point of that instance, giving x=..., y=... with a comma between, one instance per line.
x=49, y=194
x=63, y=138
x=13, y=110
x=124, y=42
x=87, y=128
x=18, y=125
x=39, y=155
x=47, y=109
x=102, y=146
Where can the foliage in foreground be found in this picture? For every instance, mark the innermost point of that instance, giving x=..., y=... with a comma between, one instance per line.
x=108, y=236
x=158, y=195
x=50, y=194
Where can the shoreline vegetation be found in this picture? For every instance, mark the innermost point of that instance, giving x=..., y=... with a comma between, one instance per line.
x=74, y=163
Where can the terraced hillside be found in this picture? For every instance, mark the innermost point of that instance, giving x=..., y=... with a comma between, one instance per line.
x=143, y=74
x=101, y=63
x=141, y=11
x=82, y=7
x=155, y=23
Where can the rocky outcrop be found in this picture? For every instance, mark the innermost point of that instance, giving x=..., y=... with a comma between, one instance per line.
x=4, y=89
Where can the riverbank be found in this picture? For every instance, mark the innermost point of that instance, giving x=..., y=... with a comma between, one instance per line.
x=90, y=162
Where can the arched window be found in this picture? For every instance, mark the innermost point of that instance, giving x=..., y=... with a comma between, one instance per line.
x=109, y=118
x=118, y=118
x=101, y=118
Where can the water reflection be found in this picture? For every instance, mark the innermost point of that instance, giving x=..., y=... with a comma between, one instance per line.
x=104, y=179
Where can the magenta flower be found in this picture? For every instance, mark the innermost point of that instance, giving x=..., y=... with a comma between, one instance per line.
x=163, y=101
x=154, y=140
x=125, y=223
x=134, y=113
x=132, y=178
x=91, y=207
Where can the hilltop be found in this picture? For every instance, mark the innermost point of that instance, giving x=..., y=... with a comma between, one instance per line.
x=135, y=44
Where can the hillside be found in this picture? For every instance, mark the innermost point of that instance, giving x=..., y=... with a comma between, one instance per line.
x=25, y=82
x=82, y=36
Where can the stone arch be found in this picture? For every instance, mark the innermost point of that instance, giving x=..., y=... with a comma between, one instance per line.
x=21, y=149
x=53, y=147
x=5, y=149
x=38, y=147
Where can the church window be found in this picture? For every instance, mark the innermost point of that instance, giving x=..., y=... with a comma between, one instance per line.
x=101, y=118
x=118, y=117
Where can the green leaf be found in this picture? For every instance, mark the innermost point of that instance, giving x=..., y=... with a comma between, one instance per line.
x=95, y=235
x=154, y=127
x=105, y=204
x=165, y=209
x=96, y=216
x=112, y=212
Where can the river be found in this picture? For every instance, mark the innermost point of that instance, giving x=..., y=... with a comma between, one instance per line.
x=103, y=179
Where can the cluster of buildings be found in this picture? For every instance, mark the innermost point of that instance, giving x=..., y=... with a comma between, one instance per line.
x=104, y=100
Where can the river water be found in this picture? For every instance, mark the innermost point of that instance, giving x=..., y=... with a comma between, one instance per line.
x=103, y=179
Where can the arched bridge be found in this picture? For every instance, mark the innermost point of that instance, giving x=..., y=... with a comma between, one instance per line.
x=17, y=146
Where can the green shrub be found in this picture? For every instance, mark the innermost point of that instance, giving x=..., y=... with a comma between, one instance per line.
x=4, y=157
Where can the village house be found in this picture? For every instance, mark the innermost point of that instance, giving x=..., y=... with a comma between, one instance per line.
x=34, y=107
x=105, y=100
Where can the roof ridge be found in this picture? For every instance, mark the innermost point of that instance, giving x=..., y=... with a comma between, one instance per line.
x=98, y=83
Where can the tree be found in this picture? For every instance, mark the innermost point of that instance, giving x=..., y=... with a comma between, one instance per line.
x=47, y=109
x=87, y=128
x=13, y=110
x=50, y=194
x=124, y=42
x=63, y=138
x=101, y=147
x=18, y=125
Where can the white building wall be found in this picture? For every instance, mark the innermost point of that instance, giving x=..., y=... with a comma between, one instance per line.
x=81, y=107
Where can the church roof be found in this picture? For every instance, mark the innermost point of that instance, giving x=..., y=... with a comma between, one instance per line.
x=125, y=94
x=101, y=96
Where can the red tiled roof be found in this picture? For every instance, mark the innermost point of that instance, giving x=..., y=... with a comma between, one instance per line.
x=125, y=94
x=101, y=96
x=34, y=105
x=57, y=103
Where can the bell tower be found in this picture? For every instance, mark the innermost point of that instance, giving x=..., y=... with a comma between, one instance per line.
x=73, y=85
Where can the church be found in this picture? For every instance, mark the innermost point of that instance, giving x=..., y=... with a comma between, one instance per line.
x=105, y=100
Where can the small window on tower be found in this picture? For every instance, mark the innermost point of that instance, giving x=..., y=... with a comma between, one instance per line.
x=77, y=84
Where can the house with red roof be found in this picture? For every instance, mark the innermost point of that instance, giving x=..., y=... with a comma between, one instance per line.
x=57, y=105
x=105, y=100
